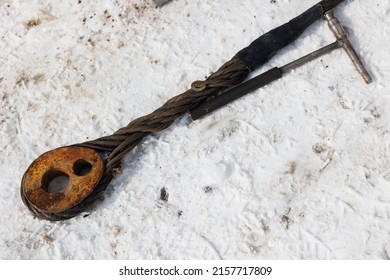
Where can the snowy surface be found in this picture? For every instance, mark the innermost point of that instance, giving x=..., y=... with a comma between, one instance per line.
x=298, y=170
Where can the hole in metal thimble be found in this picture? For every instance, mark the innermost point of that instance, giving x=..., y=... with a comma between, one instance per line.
x=55, y=181
x=82, y=167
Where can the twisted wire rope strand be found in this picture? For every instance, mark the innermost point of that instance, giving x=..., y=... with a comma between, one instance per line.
x=127, y=138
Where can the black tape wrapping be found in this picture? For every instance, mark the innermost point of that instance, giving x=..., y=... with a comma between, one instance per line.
x=267, y=45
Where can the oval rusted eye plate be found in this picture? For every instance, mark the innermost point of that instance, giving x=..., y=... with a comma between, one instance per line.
x=81, y=168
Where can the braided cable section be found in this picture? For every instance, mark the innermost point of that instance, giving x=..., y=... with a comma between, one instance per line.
x=125, y=139
x=116, y=146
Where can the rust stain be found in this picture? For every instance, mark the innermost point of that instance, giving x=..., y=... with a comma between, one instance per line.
x=22, y=79
x=293, y=168
x=38, y=78
x=33, y=22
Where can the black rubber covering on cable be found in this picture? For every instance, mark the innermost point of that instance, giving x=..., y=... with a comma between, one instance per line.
x=266, y=46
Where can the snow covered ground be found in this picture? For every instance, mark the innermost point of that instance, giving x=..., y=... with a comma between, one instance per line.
x=298, y=170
